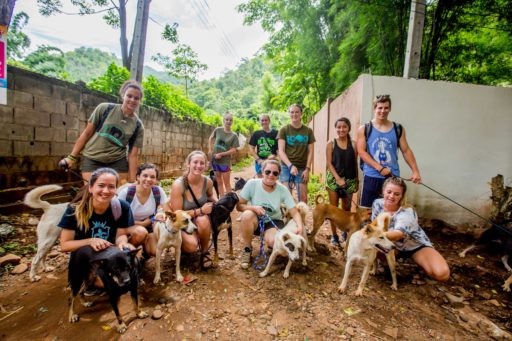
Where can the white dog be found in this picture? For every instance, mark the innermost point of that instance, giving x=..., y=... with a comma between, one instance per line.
x=363, y=246
x=168, y=233
x=289, y=244
x=47, y=230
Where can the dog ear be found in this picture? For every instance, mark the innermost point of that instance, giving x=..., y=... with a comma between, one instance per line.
x=286, y=237
x=171, y=215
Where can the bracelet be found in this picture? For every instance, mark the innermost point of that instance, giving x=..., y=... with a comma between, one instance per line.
x=382, y=169
x=291, y=165
x=71, y=157
x=307, y=168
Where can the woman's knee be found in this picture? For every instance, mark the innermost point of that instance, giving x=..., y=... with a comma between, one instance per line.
x=138, y=235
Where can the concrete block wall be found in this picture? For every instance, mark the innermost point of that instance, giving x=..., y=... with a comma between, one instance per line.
x=44, y=117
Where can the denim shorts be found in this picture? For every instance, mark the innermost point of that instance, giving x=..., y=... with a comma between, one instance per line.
x=269, y=225
x=89, y=165
x=285, y=175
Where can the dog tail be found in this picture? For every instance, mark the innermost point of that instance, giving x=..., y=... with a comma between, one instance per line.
x=319, y=199
x=33, y=198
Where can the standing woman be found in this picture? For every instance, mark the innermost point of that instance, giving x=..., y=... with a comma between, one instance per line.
x=193, y=192
x=342, y=176
x=409, y=238
x=221, y=145
x=112, y=137
x=92, y=221
x=295, y=144
x=145, y=197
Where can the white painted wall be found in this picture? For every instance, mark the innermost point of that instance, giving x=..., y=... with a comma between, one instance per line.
x=461, y=135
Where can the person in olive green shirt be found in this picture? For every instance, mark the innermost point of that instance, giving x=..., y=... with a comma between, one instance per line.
x=295, y=143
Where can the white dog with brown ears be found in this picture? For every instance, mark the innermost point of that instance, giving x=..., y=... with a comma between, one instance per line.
x=289, y=244
x=363, y=246
x=167, y=228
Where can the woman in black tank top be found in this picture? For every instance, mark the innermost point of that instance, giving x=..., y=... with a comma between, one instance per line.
x=342, y=175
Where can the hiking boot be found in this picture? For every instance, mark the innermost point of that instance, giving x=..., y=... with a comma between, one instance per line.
x=335, y=240
x=93, y=291
x=246, y=258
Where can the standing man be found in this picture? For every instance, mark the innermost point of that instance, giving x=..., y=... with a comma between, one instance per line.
x=377, y=145
x=263, y=144
x=295, y=142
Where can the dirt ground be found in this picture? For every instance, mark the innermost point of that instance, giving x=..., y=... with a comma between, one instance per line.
x=228, y=303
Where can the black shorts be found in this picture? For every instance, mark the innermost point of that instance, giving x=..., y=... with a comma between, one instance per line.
x=89, y=165
x=269, y=225
x=408, y=254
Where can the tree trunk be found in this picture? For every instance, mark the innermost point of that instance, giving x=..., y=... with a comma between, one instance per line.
x=122, y=39
x=501, y=210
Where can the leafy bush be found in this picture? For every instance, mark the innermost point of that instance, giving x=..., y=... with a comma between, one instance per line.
x=110, y=82
x=315, y=187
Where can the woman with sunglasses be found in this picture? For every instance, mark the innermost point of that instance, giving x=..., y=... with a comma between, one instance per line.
x=266, y=196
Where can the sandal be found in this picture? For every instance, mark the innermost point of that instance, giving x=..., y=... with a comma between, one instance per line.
x=206, y=261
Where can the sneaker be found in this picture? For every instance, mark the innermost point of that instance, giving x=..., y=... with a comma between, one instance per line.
x=335, y=240
x=246, y=258
x=93, y=291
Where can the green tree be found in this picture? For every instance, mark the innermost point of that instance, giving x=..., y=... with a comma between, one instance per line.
x=183, y=64
x=110, y=82
x=17, y=41
x=48, y=60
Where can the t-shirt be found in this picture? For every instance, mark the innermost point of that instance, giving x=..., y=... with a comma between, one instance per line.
x=405, y=220
x=296, y=143
x=109, y=144
x=143, y=211
x=223, y=142
x=102, y=226
x=265, y=143
x=253, y=191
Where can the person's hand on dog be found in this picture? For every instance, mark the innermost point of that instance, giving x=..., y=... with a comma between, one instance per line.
x=258, y=210
x=98, y=244
x=207, y=208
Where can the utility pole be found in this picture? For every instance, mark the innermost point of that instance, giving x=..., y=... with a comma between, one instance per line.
x=414, y=39
x=139, y=40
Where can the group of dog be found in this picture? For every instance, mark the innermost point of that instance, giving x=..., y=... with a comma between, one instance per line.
x=119, y=269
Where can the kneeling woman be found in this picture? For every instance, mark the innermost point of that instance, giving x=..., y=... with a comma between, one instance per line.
x=193, y=192
x=404, y=230
x=266, y=196
x=97, y=221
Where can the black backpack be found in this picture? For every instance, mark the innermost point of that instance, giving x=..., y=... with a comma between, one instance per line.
x=368, y=130
x=130, y=194
x=103, y=117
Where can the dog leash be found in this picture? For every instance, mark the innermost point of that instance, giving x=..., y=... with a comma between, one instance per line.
x=503, y=228
x=292, y=183
x=66, y=169
x=261, y=222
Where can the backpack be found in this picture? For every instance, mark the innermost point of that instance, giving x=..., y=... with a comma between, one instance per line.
x=103, y=117
x=116, y=208
x=368, y=130
x=130, y=194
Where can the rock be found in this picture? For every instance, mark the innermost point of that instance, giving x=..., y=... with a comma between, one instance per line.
x=180, y=328
x=6, y=230
x=454, y=299
x=485, y=295
x=350, y=331
x=53, y=254
x=272, y=330
x=157, y=314
x=494, y=303
x=9, y=259
x=19, y=269
x=463, y=316
x=391, y=332
x=33, y=221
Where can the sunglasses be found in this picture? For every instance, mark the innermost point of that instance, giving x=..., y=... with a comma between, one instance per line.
x=274, y=173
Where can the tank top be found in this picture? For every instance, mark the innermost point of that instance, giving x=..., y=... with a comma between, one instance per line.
x=344, y=160
x=383, y=147
x=190, y=204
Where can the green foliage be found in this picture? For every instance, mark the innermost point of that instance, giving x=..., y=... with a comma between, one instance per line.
x=17, y=41
x=242, y=164
x=86, y=63
x=110, y=82
x=47, y=60
x=166, y=184
x=315, y=187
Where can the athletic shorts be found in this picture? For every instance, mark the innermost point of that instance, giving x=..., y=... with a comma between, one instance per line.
x=409, y=254
x=220, y=168
x=330, y=183
x=372, y=189
x=257, y=167
x=269, y=225
x=89, y=165
x=285, y=175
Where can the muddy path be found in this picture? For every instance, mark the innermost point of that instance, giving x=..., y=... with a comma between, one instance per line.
x=228, y=303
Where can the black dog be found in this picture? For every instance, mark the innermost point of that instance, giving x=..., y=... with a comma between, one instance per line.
x=215, y=183
x=118, y=270
x=220, y=219
x=239, y=183
x=500, y=237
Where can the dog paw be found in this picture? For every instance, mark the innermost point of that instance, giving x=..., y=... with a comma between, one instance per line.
x=341, y=289
x=88, y=304
x=156, y=280
x=286, y=275
x=394, y=287
x=142, y=314
x=122, y=328
x=263, y=274
x=462, y=254
x=305, y=262
x=506, y=287
x=179, y=278
x=74, y=318
x=359, y=292
x=35, y=278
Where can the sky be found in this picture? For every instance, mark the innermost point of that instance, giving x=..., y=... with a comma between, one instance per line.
x=213, y=28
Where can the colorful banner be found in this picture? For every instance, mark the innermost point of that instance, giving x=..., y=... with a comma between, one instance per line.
x=3, y=69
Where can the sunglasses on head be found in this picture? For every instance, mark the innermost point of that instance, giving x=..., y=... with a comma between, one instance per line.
x=274, y=173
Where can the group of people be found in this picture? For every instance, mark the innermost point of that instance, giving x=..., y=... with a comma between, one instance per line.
x=109, y=145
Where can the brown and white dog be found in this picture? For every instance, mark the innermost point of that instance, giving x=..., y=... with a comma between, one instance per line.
x=47, y=230
x=167, y=229
x=346, y=221
x=289, y=244
x=364, y=245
